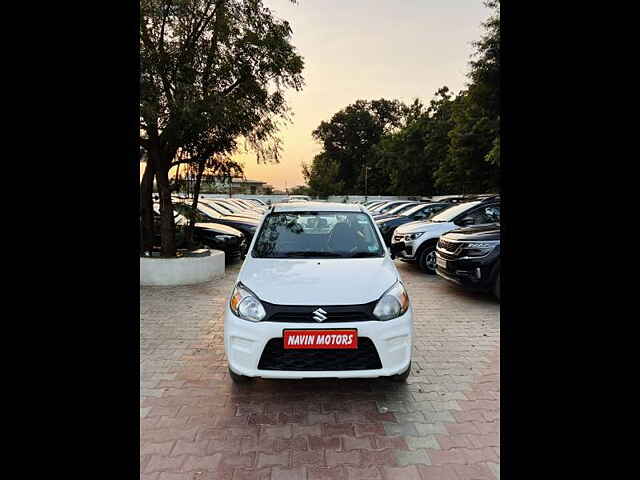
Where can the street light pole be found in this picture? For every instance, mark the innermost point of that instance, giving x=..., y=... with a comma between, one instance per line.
x=366, y=169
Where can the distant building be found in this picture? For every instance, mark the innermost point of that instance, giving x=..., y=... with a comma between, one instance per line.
x=238, y=186
x=249, y=187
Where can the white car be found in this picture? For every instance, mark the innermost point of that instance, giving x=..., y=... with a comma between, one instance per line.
x=318, y=295
x=418, y=239
x=299, y=198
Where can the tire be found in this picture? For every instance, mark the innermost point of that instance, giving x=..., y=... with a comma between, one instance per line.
x=427, y=259
x=401, y=377
x=496, y=287
x=237, y=378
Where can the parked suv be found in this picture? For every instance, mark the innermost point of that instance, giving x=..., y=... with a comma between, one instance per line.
x=418, y=239
x=470, y=257
x=318, y=295
x=421, y=211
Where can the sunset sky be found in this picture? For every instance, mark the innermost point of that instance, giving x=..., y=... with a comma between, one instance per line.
x=367, y=49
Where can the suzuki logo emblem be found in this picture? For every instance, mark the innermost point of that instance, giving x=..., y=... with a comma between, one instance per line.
x=319, y=315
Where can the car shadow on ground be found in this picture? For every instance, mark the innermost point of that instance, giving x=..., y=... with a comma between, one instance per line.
x=320, y=386
x=461, y=292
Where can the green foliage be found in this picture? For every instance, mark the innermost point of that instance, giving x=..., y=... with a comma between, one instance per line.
x=451, y=147
x=473, y=162
x=300, y=190
x=348, y=140
x=212, y=73
x=322, y=176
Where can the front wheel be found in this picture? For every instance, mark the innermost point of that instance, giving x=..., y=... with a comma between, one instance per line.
x=427, y=259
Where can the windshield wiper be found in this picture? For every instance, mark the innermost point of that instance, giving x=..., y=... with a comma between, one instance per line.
x=364, y=254
x=312, y=254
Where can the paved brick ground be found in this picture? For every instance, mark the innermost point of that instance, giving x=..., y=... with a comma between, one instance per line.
x=443, y=424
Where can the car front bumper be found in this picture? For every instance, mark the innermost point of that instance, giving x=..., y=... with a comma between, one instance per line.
x=477, y=274
x=245, y=341
x=408, y=253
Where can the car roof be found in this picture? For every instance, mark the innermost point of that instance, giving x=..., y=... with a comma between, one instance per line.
x=316, y=207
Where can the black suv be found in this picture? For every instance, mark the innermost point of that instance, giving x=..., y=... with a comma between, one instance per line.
x=470, y=257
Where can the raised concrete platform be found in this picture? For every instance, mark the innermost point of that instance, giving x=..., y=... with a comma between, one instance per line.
x=186, y=270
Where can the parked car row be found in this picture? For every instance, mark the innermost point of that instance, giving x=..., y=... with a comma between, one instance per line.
x=433, y=235
x=459, y=241
x=221, y=224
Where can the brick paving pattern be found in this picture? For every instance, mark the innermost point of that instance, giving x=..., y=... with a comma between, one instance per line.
x=196, y=424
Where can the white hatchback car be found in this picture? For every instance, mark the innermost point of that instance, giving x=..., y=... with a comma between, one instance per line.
x=318, y=296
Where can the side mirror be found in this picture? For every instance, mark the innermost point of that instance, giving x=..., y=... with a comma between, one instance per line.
x=396, y=248
x=466, y=221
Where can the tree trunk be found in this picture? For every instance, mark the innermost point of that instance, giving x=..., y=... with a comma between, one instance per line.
x=196, y=194
x=146, y=207
x=167, y=222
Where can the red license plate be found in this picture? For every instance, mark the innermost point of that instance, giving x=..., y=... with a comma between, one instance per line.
x=300, y=339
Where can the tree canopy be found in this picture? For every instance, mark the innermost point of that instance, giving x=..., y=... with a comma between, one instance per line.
x=213, y=72
x=451, y=146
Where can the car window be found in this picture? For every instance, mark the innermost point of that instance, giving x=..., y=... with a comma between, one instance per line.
x=450, y=213
x=401, y=208
x=488, y=214
x=317, y=235
x=424, y=212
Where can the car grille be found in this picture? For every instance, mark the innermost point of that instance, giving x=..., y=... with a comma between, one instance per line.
x=450, y=247
x=304, y=313
x=275, y=357
x=398, y=238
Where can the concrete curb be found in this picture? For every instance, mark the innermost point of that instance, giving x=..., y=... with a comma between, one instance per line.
x=181, y=271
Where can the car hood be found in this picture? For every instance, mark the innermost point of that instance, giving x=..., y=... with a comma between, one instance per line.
x=476, y=233
x=218, y=228
x=426, y=226
x=319, y=282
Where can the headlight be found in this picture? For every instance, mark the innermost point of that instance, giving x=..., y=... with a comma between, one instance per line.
x=479, y=249
x=412, y=236
x=246, y=305
x=394, y=302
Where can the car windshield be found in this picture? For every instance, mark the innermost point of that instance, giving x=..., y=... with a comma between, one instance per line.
x=219, y=207
x=401, y=208
x=212, y=212
x=413, y=209
x=232, y=207
x=317, y=235
x=380, y=208
x=452, y=212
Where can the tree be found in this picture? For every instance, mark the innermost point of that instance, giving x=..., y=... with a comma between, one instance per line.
x=348, y=139
x=419, y=147
x=211, y=71
x=465, y=167
x=300, y=190
x=474, y=154
x=323, y=176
